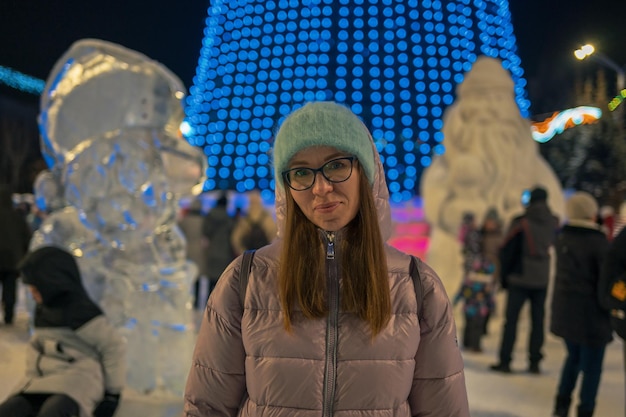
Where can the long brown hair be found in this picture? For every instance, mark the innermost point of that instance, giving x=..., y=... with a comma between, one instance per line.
x=301, y=277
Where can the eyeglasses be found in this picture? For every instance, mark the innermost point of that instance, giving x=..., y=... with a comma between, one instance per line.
x=336, y=170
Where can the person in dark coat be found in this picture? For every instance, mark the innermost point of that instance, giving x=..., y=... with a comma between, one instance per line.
x=15, y=237
x=75, y=360
x=217, y=228
x=191, y=226
x=614, y=267
x=525, y=272
x=576, y=314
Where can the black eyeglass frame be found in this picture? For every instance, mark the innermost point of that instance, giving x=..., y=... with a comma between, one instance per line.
x=285, y=174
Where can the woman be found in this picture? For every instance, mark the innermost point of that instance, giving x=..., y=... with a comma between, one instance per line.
x=329, y=325
x=577, y=315
x=75, y=362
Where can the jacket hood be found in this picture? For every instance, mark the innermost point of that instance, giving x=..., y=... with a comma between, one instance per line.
x=379, y=190
x=55, y=274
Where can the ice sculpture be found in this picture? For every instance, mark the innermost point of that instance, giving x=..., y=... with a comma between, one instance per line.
x=490, y=159
x=109, y=122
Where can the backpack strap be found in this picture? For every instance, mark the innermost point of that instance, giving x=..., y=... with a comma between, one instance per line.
x=244, y=274
x=417, y=284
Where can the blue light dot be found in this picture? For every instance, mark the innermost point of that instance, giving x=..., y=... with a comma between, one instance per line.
x=224, y=172
x=248, y=171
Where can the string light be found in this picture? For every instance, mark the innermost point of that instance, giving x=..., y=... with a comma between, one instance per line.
x=22, y=82
x=617, y=100
x=395, y=63
x=545, y=130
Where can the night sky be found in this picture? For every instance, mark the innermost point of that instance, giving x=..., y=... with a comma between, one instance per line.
x=35, y=33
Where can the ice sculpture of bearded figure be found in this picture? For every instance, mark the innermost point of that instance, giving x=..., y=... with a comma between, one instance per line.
x=109, y=122
x=490, y=159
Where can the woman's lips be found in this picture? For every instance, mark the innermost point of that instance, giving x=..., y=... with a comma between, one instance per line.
x=326, y=208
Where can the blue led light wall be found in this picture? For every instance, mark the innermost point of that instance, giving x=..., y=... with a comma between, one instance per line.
x=395, y=63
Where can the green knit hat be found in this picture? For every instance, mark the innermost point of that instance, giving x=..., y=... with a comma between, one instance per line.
x=322, y=123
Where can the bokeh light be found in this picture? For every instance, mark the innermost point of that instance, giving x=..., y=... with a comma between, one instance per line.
x=396, y=64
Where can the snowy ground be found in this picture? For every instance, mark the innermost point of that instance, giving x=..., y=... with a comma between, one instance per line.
x=490, y=394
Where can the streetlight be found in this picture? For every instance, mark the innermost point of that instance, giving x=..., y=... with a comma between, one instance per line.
x=589, y=51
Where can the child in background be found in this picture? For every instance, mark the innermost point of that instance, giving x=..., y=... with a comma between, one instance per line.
x=75, y=363
x=492, y=235
x=476, y=290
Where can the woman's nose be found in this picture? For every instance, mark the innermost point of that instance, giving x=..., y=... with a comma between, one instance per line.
x=321, y=184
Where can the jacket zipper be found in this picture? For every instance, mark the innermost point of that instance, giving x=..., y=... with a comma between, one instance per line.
x=332, y=327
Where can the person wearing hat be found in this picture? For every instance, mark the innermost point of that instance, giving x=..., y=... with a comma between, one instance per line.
x=576, y=313
x=75, y=360
x=331, y=323
x=524, y=273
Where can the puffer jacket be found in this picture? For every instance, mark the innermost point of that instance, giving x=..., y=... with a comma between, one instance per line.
x=74, y=350
x=246, y=364
x=80, y=363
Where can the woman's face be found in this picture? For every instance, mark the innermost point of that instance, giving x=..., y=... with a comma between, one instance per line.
x=330, y=206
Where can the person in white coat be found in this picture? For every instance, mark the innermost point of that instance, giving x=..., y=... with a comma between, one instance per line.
x=76, y=362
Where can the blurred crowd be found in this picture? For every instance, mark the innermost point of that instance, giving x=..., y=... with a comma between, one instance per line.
x=218, y=230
